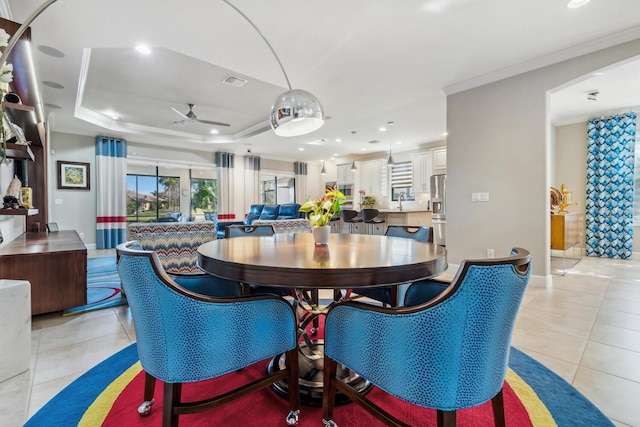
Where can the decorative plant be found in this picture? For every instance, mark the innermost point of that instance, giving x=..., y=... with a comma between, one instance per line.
x=322, y=209
x=369, y=200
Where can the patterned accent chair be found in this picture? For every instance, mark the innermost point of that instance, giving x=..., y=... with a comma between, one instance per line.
x=187, y=337
x=176, y=244
x=447, y=354
x=390, y=295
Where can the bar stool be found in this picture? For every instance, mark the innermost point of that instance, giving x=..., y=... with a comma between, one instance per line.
x=349, y=216
x=369, y=216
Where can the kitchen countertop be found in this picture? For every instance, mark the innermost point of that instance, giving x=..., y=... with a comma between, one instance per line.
x=403, y=210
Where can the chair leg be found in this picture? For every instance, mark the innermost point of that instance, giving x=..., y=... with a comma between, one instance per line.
x=149, y=388
x=328, y=390
x=293, y=387
x=315, y=297
x=446, y=418
x=171, y=399
x=393, y=296
x=498, y=409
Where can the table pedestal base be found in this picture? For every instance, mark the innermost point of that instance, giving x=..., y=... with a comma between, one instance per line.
x=311, y=363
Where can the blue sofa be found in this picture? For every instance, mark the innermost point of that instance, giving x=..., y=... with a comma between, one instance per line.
x=264, y=212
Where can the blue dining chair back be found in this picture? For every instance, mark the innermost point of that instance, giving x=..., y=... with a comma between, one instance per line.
x=447, y=354
x=240, y=230
x=184, y=337
x=420, y=233
x=389, y=295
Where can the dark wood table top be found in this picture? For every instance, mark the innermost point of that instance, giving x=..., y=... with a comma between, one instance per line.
x=44, y=242
x=349, y=260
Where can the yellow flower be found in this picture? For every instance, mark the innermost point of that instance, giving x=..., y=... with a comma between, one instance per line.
x=322, y=209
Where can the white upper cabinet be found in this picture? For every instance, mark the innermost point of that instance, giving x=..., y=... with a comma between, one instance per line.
x=345, y=175
x=422, y=169
x=373, y=177
x=440, y=160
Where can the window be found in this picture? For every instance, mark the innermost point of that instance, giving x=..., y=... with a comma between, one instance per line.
x=277, y=190
x=152, y=197
x=204, y=195
x=401, y=181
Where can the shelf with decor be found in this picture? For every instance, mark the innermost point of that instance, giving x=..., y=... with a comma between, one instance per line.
x=21, y=109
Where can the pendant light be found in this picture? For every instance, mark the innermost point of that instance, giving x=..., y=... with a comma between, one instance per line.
x=295, y=112
x=390, y=161
x=353, y=163
x=323, y=171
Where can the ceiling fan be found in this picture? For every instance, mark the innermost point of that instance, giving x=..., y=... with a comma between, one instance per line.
x=191, y=117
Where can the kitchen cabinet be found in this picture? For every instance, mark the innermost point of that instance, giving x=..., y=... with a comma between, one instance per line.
x=421, y=218
x=440, y=160
x=373, y=177
x=422, y=169
x=345, y=174
x=54, y=263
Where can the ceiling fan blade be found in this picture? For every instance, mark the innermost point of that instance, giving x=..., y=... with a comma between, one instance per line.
x=209, y=122
x=181, y=114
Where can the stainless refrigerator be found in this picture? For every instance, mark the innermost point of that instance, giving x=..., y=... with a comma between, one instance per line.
x=439, y=208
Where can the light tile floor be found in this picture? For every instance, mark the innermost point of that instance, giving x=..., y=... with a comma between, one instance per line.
x=586, y=328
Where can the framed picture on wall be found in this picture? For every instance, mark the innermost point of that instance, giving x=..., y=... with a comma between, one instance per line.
x=73, y=176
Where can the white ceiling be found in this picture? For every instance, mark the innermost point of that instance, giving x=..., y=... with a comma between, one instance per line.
x=368, y=62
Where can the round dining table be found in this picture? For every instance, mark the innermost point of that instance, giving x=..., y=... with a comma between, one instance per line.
x=348, y=261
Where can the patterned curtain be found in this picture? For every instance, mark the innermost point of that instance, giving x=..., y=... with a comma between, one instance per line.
x=251, y=180
x=224, y=169
x=111, y=191
x=302, y=189
x=610, y=176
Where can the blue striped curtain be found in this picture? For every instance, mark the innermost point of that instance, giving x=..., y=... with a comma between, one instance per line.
x=610, y=176
x=302, y=185
x=226, y=187
x=111, y=189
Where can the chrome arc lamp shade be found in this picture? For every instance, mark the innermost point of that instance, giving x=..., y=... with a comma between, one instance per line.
x=296, y=112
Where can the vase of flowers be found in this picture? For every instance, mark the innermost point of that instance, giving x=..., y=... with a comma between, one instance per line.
x=320, y=211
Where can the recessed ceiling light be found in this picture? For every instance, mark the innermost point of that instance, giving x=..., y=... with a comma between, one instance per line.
x=335, y=154
x=300, y=149
x=576, y=3
x=214, y=131
x=143, y=48
x=382, y=129
x=445, y=133
x=338, y=140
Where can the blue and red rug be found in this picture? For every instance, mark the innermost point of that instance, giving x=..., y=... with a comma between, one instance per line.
x=110, y=393
x=103, y=286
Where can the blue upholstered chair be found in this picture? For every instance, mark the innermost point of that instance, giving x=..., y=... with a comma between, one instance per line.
x=256, y=230
x=447, y=354
x=185, y=337
x=249, y=230
x=389, y=295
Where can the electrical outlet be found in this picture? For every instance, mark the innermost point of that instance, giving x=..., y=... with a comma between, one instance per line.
x=490, y=253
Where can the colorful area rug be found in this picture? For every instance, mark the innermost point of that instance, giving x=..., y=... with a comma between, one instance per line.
x=110, y=393
x=103, y=286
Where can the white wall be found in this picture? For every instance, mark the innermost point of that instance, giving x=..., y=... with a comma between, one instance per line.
x=76, y=209
x=500, y=142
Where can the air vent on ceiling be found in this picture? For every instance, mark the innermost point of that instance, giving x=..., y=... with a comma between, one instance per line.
x=234, y=81
x=374, y=141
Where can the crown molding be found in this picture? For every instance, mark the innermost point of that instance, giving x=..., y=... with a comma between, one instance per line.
x=544, y=61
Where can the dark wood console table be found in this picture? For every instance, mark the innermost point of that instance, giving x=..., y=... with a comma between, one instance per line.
x=54, y=263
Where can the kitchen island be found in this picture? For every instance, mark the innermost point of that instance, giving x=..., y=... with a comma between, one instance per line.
x=418, y=217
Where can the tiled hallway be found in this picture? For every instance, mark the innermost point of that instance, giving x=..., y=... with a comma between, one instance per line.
x=586, y=328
